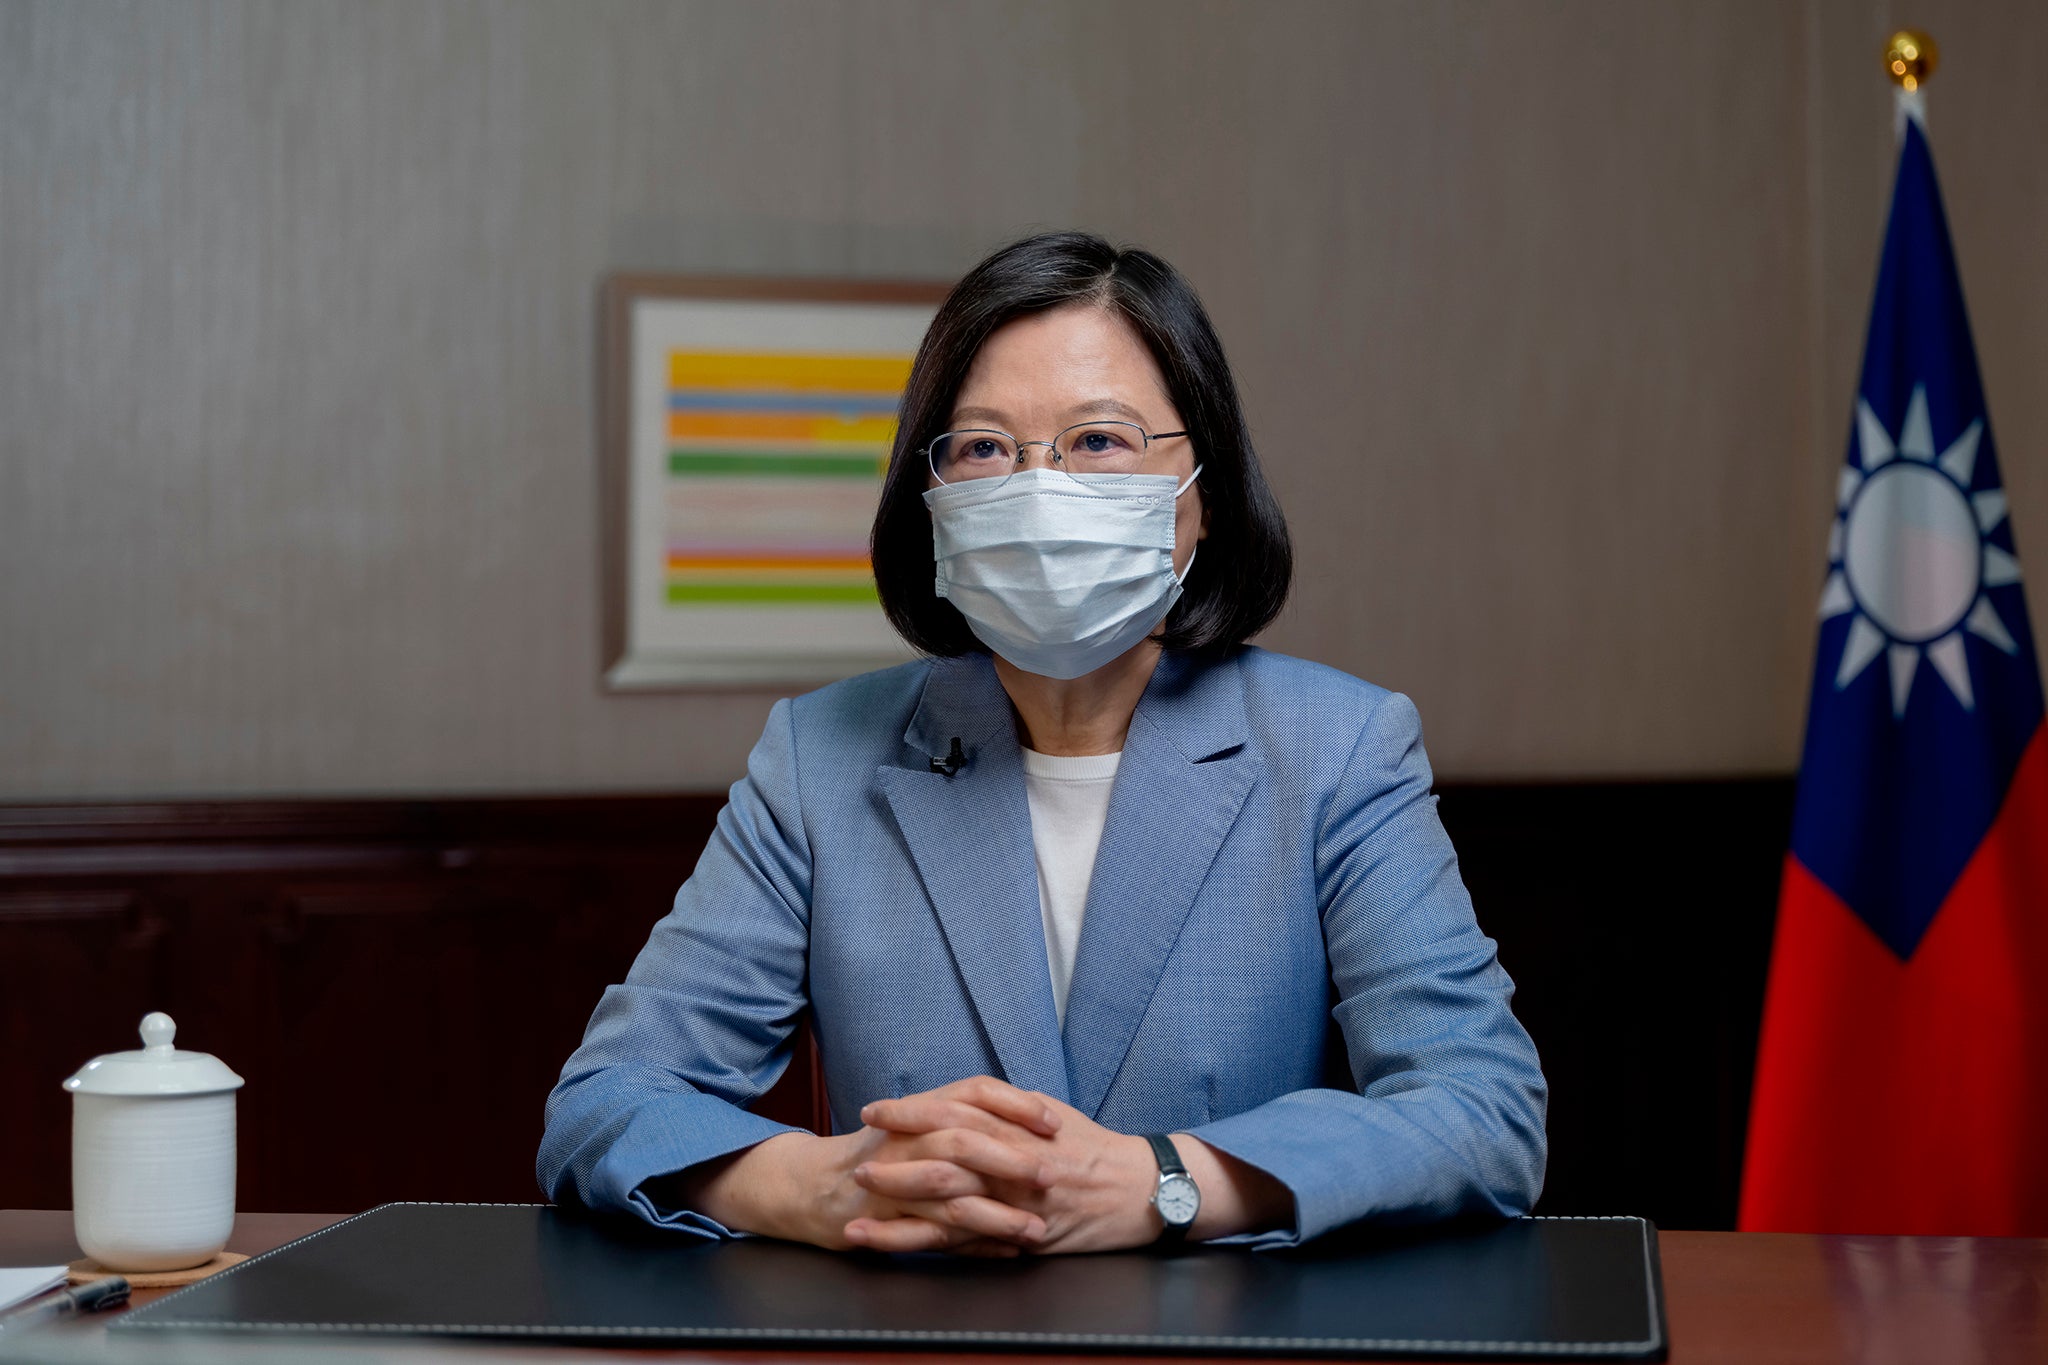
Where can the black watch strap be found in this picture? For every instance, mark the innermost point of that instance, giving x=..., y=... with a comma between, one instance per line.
x=1169, y=1165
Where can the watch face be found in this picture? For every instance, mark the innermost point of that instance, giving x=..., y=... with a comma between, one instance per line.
x=1177, y=1200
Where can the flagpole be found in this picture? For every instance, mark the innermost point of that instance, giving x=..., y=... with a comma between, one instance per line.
x=1909, y=59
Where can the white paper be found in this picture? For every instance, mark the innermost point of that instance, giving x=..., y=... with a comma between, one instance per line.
x=18, y=1283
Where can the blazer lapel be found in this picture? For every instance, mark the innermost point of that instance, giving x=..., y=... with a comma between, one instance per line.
x=970, y=836
x=1184, y=776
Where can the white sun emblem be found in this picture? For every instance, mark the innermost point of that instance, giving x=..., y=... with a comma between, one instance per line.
x=1908, y=555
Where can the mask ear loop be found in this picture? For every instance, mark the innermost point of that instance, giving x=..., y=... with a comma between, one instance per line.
x=1182, y=577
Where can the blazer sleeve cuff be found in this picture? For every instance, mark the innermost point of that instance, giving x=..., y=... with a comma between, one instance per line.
x=1345, y=1157
x=686, y=1221
x=1248, y=1139
x=668, y=1135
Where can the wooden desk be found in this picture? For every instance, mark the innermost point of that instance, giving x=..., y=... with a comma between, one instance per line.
x=1739, y=1298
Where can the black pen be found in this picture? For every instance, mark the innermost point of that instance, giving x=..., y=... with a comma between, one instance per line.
x=111, y=1292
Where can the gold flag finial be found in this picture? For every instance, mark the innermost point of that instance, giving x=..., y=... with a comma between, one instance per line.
x=1910, y=58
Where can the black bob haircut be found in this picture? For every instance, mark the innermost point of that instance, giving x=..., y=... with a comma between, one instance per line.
x=1240, y=578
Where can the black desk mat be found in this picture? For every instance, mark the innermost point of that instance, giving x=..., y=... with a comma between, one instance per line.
x=1533, y=1287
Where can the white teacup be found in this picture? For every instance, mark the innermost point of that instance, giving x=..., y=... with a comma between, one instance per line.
x=153, y=1154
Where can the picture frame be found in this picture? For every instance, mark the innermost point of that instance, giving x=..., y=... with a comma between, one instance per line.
x=745, y=425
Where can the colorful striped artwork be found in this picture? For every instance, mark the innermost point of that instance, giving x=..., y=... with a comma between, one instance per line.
x=773, y=464
x=752, y=434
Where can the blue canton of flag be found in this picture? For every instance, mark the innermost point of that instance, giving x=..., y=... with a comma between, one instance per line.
x=1925, y=690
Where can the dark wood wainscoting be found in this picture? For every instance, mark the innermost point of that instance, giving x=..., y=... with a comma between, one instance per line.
x=1636, y=921
x=399, y=981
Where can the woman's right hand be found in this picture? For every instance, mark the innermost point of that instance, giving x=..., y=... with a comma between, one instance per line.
x=801, y=1187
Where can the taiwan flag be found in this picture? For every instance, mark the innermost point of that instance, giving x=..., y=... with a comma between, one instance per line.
x=1902, y=1078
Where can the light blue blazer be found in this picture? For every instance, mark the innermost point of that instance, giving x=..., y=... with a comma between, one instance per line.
x=1275, y=912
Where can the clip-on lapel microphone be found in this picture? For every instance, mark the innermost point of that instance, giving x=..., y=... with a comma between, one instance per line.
x=953, y=760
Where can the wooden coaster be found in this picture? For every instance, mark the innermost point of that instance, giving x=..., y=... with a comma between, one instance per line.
x=85, y=1270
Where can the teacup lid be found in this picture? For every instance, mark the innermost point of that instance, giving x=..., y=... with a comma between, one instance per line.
x=157, y=1069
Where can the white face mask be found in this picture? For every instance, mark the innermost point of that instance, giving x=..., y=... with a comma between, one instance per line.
x=1058, y=573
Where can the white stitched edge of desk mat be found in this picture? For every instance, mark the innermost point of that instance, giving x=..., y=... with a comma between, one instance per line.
x=1436, y=1345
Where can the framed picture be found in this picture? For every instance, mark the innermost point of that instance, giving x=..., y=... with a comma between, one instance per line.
x=746, y=428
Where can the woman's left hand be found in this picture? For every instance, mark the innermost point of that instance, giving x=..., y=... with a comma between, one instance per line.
x=1099, y=1197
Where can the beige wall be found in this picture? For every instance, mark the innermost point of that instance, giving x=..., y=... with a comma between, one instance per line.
x=1547, y=316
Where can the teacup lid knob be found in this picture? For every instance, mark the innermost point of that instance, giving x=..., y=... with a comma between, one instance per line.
x=158, y=1029
x=158, y=1068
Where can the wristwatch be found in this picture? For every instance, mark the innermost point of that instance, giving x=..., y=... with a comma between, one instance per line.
x=1178, y=1198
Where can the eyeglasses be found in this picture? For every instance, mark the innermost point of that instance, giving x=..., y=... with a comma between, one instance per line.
x=1115, y=448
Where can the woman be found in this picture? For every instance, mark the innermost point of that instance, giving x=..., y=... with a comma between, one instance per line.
x=1091, y=906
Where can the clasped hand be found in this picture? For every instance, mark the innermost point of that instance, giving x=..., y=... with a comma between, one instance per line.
x=980, y=1167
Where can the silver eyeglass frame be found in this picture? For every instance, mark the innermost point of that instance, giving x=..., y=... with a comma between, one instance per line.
x=1058, y=461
